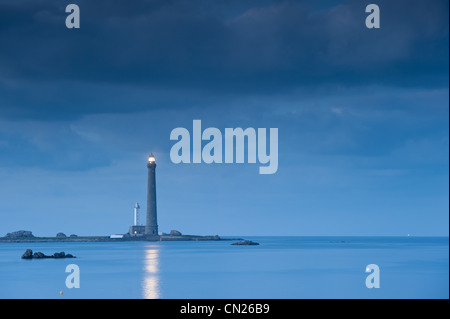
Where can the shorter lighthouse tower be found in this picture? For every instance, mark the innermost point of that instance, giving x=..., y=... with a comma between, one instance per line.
x=136, y=229
x=136, y=214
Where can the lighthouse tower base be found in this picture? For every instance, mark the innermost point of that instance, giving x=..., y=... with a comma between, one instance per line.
x=137, y=231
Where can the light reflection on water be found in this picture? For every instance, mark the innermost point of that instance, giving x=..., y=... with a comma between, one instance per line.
x=151, y=288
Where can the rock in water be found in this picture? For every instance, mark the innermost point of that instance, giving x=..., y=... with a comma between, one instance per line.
x=59, y=255
x=245, y=243
x=62, y=255
x=28, y=254
x=39, y=255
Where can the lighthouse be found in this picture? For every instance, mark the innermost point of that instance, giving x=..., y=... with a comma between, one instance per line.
x=136, y=214
x=151, y=226
x=136, y=229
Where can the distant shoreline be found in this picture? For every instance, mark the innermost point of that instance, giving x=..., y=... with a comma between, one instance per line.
x=109, y=239
x=174, y=238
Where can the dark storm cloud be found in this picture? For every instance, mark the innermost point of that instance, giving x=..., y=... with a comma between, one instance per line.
x=209, y=47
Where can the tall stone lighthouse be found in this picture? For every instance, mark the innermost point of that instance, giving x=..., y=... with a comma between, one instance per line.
x=151, y=225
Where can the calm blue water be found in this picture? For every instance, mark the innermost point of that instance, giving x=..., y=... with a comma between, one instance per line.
x=281, y=267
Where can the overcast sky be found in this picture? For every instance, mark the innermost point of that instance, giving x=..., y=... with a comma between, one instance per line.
x=362, y=115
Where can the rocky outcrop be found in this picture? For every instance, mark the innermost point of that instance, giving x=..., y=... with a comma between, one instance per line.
x=61, y=235
x=62, y=255
x=28, y=254
x=175, y=233
x=245, y=243
x=19, y=234
x=59, y=255
x=39, y=255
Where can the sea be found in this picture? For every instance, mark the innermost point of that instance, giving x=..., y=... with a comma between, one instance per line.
x=279, y=268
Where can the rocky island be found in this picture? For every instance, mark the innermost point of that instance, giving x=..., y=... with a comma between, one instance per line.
x=28, y=254
x=245, y=243
x=27, y=236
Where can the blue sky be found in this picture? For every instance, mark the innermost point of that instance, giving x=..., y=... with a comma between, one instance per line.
x=362, y=116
